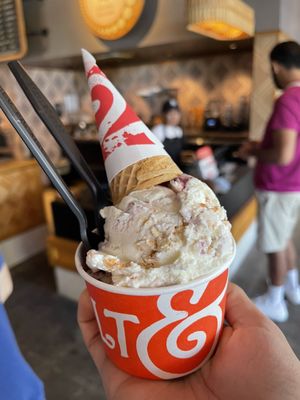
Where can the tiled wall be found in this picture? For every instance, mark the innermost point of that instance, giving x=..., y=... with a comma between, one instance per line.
x=198, y=80
x=55, y=84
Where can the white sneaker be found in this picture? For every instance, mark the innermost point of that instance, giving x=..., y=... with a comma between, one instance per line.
x=277, y=312
x=292, y=294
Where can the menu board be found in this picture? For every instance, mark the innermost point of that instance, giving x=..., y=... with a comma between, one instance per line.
x=13, y=43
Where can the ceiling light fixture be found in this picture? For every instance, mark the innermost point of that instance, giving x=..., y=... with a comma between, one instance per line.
x=221, y=19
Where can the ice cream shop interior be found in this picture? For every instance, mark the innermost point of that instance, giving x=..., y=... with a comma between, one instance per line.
x=142, y=131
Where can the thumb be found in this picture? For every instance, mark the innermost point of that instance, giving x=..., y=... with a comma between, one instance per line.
x=90, y=330
x=87, y=321
x=240, y=310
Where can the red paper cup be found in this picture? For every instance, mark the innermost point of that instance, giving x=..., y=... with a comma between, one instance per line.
x=159, y=333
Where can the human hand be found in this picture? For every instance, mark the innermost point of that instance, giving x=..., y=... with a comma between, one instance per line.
x=247, y=150
x=253, y=360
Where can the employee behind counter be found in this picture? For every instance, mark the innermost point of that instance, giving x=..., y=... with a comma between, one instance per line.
x=169, y=132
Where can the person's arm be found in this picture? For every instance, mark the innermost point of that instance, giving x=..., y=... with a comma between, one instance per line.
x=285, y=127
x=283, y=151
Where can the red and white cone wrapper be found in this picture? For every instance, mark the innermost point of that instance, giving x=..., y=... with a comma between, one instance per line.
x=163, y=332
x=124, y=138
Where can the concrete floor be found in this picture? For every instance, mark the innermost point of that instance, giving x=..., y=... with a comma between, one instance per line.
x=252, y=278
x=47, y=332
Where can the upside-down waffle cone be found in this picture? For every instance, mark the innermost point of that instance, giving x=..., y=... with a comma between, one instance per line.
x=143, y=175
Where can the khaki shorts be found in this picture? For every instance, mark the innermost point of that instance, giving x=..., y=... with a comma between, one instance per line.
x=278, y=214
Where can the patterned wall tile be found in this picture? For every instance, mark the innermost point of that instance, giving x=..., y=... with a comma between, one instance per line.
x=55, y=84
x=198, y=80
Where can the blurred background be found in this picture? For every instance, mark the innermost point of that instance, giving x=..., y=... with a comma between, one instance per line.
x=153, y=51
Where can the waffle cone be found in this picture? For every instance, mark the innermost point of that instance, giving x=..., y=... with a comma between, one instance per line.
x=143, y=175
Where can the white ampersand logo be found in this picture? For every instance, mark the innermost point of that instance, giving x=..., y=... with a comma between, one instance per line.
x=171, y=315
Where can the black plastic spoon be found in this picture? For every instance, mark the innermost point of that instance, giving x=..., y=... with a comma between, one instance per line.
x=48, y=115
x=89, y=239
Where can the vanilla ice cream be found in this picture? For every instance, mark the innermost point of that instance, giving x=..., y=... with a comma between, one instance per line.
x=164, y=236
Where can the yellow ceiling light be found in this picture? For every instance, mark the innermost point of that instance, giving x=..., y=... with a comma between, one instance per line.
x=221, y=19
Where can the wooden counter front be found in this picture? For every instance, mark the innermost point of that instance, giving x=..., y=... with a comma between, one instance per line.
x=243, y=219
x=20, y=197
x=61, y=251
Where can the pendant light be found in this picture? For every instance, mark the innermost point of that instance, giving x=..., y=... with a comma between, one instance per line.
x=221, y=19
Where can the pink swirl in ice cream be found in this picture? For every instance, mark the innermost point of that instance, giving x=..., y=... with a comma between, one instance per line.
x=164, y=236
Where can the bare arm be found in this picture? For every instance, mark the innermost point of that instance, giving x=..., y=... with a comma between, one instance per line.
x=283, y=151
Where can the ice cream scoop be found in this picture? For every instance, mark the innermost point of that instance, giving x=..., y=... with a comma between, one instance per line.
x=164, y=235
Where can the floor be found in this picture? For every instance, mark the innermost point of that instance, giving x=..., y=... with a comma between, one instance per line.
x=54, y=347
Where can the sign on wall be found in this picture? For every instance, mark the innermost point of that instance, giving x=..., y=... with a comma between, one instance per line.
x=111, y=19
x=13, y=42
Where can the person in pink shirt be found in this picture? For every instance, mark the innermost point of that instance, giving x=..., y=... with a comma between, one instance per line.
x=277, y=182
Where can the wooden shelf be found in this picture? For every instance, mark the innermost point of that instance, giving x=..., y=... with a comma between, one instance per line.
x=5, y=151
x=20, y=197
x=217, y=137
